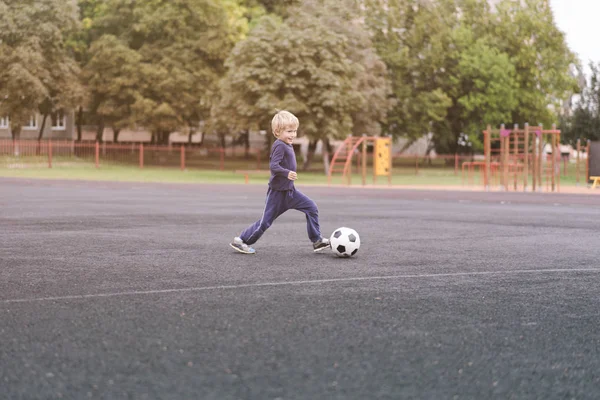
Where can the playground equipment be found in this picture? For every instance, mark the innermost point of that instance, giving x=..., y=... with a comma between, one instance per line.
x=382, y=160
x=515, y=157
x=593, y=166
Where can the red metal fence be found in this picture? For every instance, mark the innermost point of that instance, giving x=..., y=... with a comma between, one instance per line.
x=140, y=154
x=24, y=153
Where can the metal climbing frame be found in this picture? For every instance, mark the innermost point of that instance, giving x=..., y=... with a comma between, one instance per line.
x=519, y=156
x=342, y=158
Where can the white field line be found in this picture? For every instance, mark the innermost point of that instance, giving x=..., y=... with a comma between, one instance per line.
x=304, y=282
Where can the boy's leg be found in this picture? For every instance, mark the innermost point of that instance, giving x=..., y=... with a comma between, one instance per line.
x=274, y=207
x=299, y=201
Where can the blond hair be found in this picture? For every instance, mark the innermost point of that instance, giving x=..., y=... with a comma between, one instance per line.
x=282, y=121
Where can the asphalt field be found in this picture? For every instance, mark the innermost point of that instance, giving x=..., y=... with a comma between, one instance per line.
x=131, y=291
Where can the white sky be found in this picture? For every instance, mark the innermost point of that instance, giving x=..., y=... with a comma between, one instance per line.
x=578, y=19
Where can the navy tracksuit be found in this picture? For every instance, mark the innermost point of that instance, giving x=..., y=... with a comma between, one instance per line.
x=282, y=196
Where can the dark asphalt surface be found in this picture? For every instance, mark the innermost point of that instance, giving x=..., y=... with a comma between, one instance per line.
x=131, y=291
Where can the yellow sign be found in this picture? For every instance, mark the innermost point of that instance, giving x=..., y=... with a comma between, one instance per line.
x=382, y=156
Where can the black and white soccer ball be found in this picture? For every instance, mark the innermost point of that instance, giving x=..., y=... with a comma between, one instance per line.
x=345, y=242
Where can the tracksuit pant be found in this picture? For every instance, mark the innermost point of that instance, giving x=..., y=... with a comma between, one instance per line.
x=277, y=203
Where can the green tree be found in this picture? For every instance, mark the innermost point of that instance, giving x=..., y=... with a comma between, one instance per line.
x=371, y=81
x=244, y=13
x=276, y=7
x=457, y=65
x=527, y=32
x=180, y=47
x=315, y=64
x=80, y=43
x=584, y=123
x=37, y=72
x=482, y=88
x=114, y=80
x=409, y=38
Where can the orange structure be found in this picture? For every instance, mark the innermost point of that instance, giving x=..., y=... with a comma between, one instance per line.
x=515, y=158
x=341, y=163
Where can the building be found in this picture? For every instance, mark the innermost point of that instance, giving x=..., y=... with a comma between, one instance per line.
x=60, y=125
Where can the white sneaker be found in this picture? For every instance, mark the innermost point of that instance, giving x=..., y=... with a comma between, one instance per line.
x=239, y=245
x=321, y=245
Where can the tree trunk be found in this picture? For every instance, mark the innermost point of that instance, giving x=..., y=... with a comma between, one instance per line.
x=161, y=137
x=430, y=148
x=100, y=131
x=201, y=139
x=312, y=146
x=246, y=138
x=79, y=123
x=40, y=134
x=15, y=130
x=192, y=132
x=222, y=140
x=116, y=134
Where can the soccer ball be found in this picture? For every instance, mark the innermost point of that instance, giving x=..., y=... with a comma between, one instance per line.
x=344, y=242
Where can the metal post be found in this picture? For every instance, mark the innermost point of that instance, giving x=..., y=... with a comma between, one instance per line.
x=505, y=151
x=534, y=147
x=374, y=161
x=578, y=161
x=348, y=142
x=516, y=154
x=390, y=158
x=587, y=162
x=141, y=155
x=540, y=159
x=487, y=149
x=49, y=153
x=554, y=154
x=364, y=160
x=182, y=158
x=526, y=162
x=558, y=154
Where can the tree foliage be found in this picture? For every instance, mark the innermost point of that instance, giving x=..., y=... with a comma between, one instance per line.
x=482, y=87
x=457, y=65
x=167, y=56
x=37, y=72
x=400, y=67
x=114, y=82
x=275, y=7
x=316, y=64
x=584, y=123
x=527, y=32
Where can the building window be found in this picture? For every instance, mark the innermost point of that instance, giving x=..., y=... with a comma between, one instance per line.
x=4, y=122
x=32, y=123
x=59, y=121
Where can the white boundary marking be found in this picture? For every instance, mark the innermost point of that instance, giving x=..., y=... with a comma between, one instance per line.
x=304, y=282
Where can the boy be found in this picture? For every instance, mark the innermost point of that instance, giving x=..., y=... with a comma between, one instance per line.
x=282, y=195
